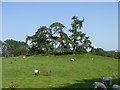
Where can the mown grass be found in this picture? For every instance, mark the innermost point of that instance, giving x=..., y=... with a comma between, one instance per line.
x=81, y=73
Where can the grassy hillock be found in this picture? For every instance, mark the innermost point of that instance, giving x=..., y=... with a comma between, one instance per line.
x=82, y=73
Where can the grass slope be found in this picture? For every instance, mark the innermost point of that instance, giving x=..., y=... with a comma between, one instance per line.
x=81, y=73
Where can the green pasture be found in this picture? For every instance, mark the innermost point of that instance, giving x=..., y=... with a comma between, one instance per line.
x=81, y=73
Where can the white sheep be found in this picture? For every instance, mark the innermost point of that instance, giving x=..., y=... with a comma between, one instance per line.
x=71, y=59
x=107, y=79
x=116, y=87
x=24, y=57
x=99, y=85
x=36, y=72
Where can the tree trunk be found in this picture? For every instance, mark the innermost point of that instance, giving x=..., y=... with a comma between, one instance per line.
x=74, y=50
x=60, y=49
x=74, y=47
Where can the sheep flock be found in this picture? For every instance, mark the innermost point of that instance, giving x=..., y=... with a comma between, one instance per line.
x=102, y=85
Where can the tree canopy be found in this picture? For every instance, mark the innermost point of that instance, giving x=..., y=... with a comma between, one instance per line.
x=14, y=48
x=53, y=39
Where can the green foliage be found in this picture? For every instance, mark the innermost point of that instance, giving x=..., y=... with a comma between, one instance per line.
x=14, y=48
x=50, y=40
x=117, y=55
x=79, y=40
x=57, y=28
x=101, y=52
x=12, y=86
x=54, y=40
x=40, y=42
x=1, y=48
x=81, y=50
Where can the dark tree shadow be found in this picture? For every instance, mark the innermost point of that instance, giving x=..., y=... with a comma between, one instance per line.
x=87, y=84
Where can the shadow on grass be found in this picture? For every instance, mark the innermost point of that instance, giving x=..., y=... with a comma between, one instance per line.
x=86, y=84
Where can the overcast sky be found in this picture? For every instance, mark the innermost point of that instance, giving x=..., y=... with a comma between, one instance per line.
x=101, y=20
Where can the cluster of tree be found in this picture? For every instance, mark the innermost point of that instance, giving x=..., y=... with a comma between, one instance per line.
x=54, y=40
x=12, y=48
x=101, y=52
x=98, y=51
x=117, y=55
x=114, y=54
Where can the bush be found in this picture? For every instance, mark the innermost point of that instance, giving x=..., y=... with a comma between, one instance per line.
x=99, y=51
x=117, y=55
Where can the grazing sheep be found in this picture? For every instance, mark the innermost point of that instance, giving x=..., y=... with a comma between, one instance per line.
x=99, y=85
x=107, y=79
x=24, y=57
x=71, y=59
x=36, y=72
x=116, y=87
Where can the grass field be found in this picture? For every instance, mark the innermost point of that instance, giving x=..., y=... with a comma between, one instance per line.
x=81, y=73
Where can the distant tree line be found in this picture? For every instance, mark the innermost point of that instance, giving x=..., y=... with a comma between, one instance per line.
x=11, y=48
x=101, y=52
